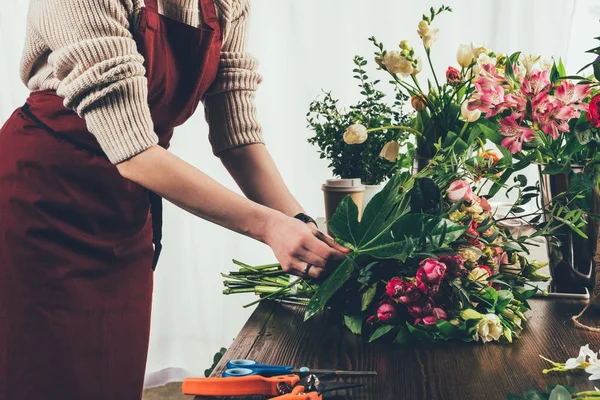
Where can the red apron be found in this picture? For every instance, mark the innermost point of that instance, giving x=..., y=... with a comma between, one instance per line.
x=76, y=252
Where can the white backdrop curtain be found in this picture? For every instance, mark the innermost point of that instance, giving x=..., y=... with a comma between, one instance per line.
x=303, y=47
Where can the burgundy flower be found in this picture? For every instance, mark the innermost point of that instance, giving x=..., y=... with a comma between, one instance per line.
x=453, y=76
x=593, y=114
x=436, y=313
x=455, y=264
x=413, y=293
x=421, y=309
x=396, y=287
x=431, y=272
x=386, y=312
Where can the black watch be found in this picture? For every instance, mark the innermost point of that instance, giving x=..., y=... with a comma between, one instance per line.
x=305, y=218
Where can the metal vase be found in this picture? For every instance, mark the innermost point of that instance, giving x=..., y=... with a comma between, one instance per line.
x=572, y=258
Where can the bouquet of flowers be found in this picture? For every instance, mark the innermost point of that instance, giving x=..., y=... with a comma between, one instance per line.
x=429, y=261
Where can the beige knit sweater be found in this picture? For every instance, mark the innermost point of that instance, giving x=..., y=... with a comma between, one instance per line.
x=84, y=50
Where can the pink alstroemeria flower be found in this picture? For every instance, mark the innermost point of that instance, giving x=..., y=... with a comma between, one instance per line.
x=556, y=119
x=488, y=99
x=538, y=82
x=573, y=95
x=515, y=134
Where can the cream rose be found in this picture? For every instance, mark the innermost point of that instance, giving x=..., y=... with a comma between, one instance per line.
x=489, y=329
x=396, y=63
x=355, y=134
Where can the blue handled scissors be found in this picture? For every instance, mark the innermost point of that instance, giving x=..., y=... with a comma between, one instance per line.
x=243, y=367
x=250, y=367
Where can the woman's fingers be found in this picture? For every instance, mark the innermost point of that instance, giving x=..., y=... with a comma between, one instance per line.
x=339, y=252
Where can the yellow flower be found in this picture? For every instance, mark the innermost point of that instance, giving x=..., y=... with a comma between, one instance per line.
x=456, y=216
x=470, y=254
x=464, y=55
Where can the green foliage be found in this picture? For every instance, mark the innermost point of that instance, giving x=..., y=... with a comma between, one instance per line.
x=552, y=393
x=216, y=358
x=329, y=122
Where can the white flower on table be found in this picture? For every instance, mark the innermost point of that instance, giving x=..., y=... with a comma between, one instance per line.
x=582, y=359
x=489, y=329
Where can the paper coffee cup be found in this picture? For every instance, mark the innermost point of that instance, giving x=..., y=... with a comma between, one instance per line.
x=335, y=190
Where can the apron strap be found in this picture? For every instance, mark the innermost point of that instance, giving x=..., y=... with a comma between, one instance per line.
x=209, y=15
x=151, y=5
x=156, y=209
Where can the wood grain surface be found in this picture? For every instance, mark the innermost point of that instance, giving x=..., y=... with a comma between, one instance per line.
x=276, y=334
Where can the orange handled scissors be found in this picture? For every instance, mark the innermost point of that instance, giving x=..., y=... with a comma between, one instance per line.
x=284, y=386
x=250, y=385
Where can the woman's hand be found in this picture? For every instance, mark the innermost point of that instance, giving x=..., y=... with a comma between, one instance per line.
x=298, y=245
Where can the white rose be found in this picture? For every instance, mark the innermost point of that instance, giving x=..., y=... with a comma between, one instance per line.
x=355, y=134
x=396, y=63
x=478, y=275
x=423, y=28
x=488, y=329
x=464, y=55
x=390, y=151
x=468, y=115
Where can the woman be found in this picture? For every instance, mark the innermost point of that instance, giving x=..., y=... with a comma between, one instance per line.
x=110, y=79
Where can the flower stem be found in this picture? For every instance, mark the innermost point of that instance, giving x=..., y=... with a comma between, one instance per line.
x=400, y=127
x=428, y=52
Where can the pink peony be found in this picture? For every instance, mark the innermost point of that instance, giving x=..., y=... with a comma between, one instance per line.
x=515, y=134
x=386, y=312
x=431, y=272
x=396, y=287
x=455, y=264
x=460, y=190
x=413, y=293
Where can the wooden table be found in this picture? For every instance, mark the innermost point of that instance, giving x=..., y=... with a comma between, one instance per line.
x=276, y=334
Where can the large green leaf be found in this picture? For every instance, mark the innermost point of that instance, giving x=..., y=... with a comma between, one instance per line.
x=560, y=393
x=344, y=223
x=331, y=285
x=409, y=229
x=386, y=206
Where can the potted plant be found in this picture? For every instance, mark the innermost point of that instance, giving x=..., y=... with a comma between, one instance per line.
x=353, y=150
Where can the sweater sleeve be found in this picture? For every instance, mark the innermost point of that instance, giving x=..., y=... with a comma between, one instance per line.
x=94, y=57
x=229, y=104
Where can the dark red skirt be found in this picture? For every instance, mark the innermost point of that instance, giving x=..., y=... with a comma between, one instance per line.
x=75, y=269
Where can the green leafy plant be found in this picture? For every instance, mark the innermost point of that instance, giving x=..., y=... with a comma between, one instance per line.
x=216, y=358
x=360, y=160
